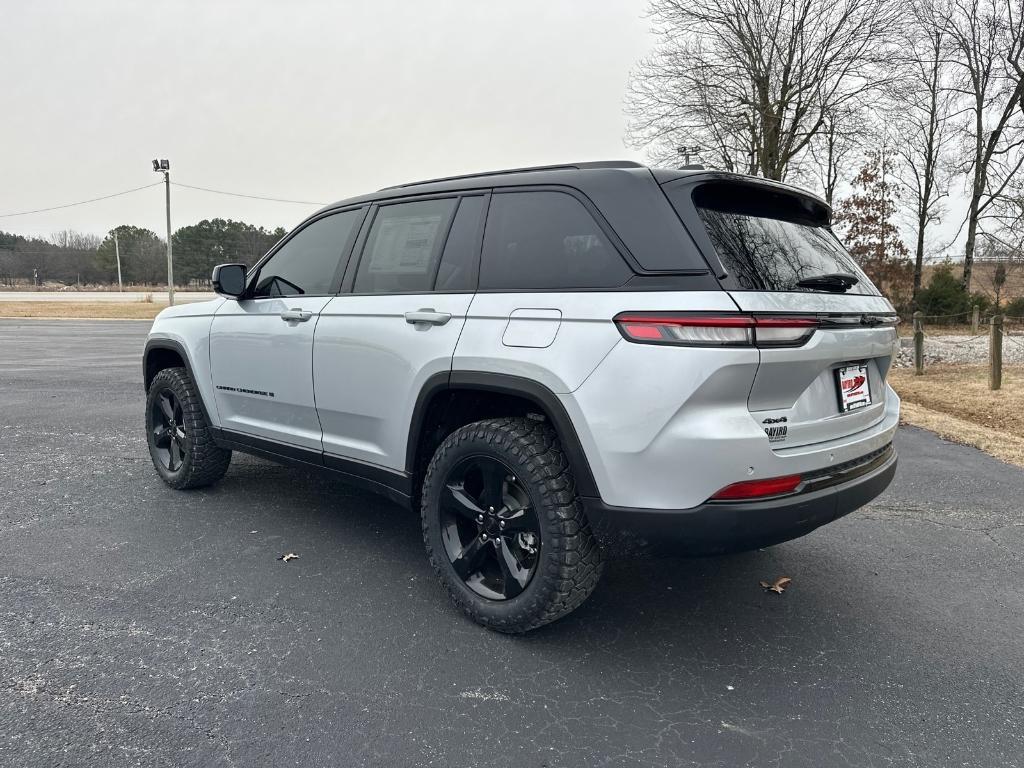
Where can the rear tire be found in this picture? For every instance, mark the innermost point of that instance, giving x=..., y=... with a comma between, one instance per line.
x=503, y=527
x=180, y=443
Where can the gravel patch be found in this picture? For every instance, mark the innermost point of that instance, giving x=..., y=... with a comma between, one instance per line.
x=963, y=350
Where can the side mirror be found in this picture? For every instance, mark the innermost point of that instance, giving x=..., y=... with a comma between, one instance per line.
x=229, y=280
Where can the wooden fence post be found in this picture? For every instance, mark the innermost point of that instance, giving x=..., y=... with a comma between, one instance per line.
x=918, y=343
x=995, y=353
x=975, y=317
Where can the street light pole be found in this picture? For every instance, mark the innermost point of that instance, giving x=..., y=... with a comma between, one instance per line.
x=686, y=151
x=164, y=167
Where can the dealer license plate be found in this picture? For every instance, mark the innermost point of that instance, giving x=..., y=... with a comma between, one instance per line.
x=854, y=388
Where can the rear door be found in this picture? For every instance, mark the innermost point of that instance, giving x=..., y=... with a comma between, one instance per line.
x=396, y=323
x=767, y=241
x=542, y=311
x=261, y=347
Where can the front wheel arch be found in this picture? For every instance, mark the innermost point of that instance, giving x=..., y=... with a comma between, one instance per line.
x=161, y=354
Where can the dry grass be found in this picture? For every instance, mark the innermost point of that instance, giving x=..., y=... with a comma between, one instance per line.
x=955, y=402
x=83, y=310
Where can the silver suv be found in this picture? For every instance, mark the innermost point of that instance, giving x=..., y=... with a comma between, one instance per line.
x=543, y=361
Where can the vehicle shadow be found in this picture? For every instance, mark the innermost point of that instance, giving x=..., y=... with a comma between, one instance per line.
x=710, y=611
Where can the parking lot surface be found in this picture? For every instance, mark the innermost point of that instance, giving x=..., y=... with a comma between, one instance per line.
x=143, y=626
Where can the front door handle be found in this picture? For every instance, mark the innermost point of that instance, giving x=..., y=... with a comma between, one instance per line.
x=428, y=316
x=296, y=315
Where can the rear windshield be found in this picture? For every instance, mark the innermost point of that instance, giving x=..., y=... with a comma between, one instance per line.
x=769, y=241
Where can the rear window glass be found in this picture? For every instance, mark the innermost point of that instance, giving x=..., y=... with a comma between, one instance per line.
x=770, y=241
x=546, y=240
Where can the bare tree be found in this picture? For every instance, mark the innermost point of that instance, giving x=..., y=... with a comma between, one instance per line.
x=834, y=148
x=922, y=111
x=984, y=42
x=753, y=82
x=76, y=241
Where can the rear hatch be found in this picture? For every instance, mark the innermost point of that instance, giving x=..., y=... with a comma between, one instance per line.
x=777, y=257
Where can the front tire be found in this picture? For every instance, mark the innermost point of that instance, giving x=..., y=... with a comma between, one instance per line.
x=503, y=527
x=180, y=443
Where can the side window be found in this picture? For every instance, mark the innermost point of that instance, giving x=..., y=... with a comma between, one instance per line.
x=310, y=262
x=460, y=262
x=403, y=247
x=538, y=240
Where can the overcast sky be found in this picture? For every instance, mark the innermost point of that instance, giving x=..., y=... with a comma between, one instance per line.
x=301, y=100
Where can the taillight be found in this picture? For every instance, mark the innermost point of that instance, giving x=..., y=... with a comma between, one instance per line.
x=750, y=490
x=715, y=330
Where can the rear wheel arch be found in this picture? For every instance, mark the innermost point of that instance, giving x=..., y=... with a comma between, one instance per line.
x=448, y=401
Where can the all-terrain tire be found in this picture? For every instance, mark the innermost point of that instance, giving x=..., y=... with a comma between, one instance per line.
x=202, y=462
x=570, y=560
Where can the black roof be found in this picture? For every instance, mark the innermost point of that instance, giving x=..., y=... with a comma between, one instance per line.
x=531, y=169
x=572, y=174
x=584, y=176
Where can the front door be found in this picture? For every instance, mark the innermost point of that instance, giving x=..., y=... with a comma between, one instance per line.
x=261, y=347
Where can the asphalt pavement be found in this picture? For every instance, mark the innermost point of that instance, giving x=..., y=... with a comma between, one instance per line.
x=140, y=626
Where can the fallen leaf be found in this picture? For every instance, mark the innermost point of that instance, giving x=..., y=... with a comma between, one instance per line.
x=778, y=586
x=289, y=556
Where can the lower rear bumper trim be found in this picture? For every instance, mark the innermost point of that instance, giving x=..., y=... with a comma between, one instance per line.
x=718, y=527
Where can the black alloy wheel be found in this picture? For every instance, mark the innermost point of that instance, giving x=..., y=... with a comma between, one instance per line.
x=489, y=528
x=168, y=426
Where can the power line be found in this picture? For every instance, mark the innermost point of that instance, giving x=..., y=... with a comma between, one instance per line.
x=80, y=202
x=147, y=186
x=239, y=194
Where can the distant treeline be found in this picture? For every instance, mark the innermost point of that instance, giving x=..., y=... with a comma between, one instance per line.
x=71, y=257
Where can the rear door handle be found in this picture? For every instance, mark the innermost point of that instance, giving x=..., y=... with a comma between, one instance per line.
x=296, y=315
x=428, y=316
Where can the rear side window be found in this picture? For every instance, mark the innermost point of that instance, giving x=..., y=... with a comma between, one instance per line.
x=546, y=240
x=768, y=241
x=309, y=264
x=403, y=247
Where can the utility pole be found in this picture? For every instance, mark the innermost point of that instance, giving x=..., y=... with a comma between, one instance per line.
x=117, y=253
x=164, y=167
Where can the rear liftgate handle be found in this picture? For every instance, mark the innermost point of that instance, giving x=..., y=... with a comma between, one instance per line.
x=428, y=316
x=296, y=315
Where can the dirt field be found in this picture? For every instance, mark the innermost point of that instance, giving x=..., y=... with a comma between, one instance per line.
x=955, y=402
x=94, y=310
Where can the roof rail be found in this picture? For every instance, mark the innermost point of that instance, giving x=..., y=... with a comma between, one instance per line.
x=564, y=167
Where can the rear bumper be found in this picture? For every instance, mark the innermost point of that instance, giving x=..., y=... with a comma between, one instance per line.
x=714, y=528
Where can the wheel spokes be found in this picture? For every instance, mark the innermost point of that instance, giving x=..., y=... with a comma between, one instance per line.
x=490, y=529
x=456, y=499
x=493, y=476
x=166, y=407
x=175, y=458
x=514, y=575
x=467, y=562
x=162, y=437
x=518, y=520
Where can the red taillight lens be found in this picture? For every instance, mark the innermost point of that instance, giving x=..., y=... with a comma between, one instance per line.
x=758, y=489
x=715, y=330
x=784, y=331
x=690, y=330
